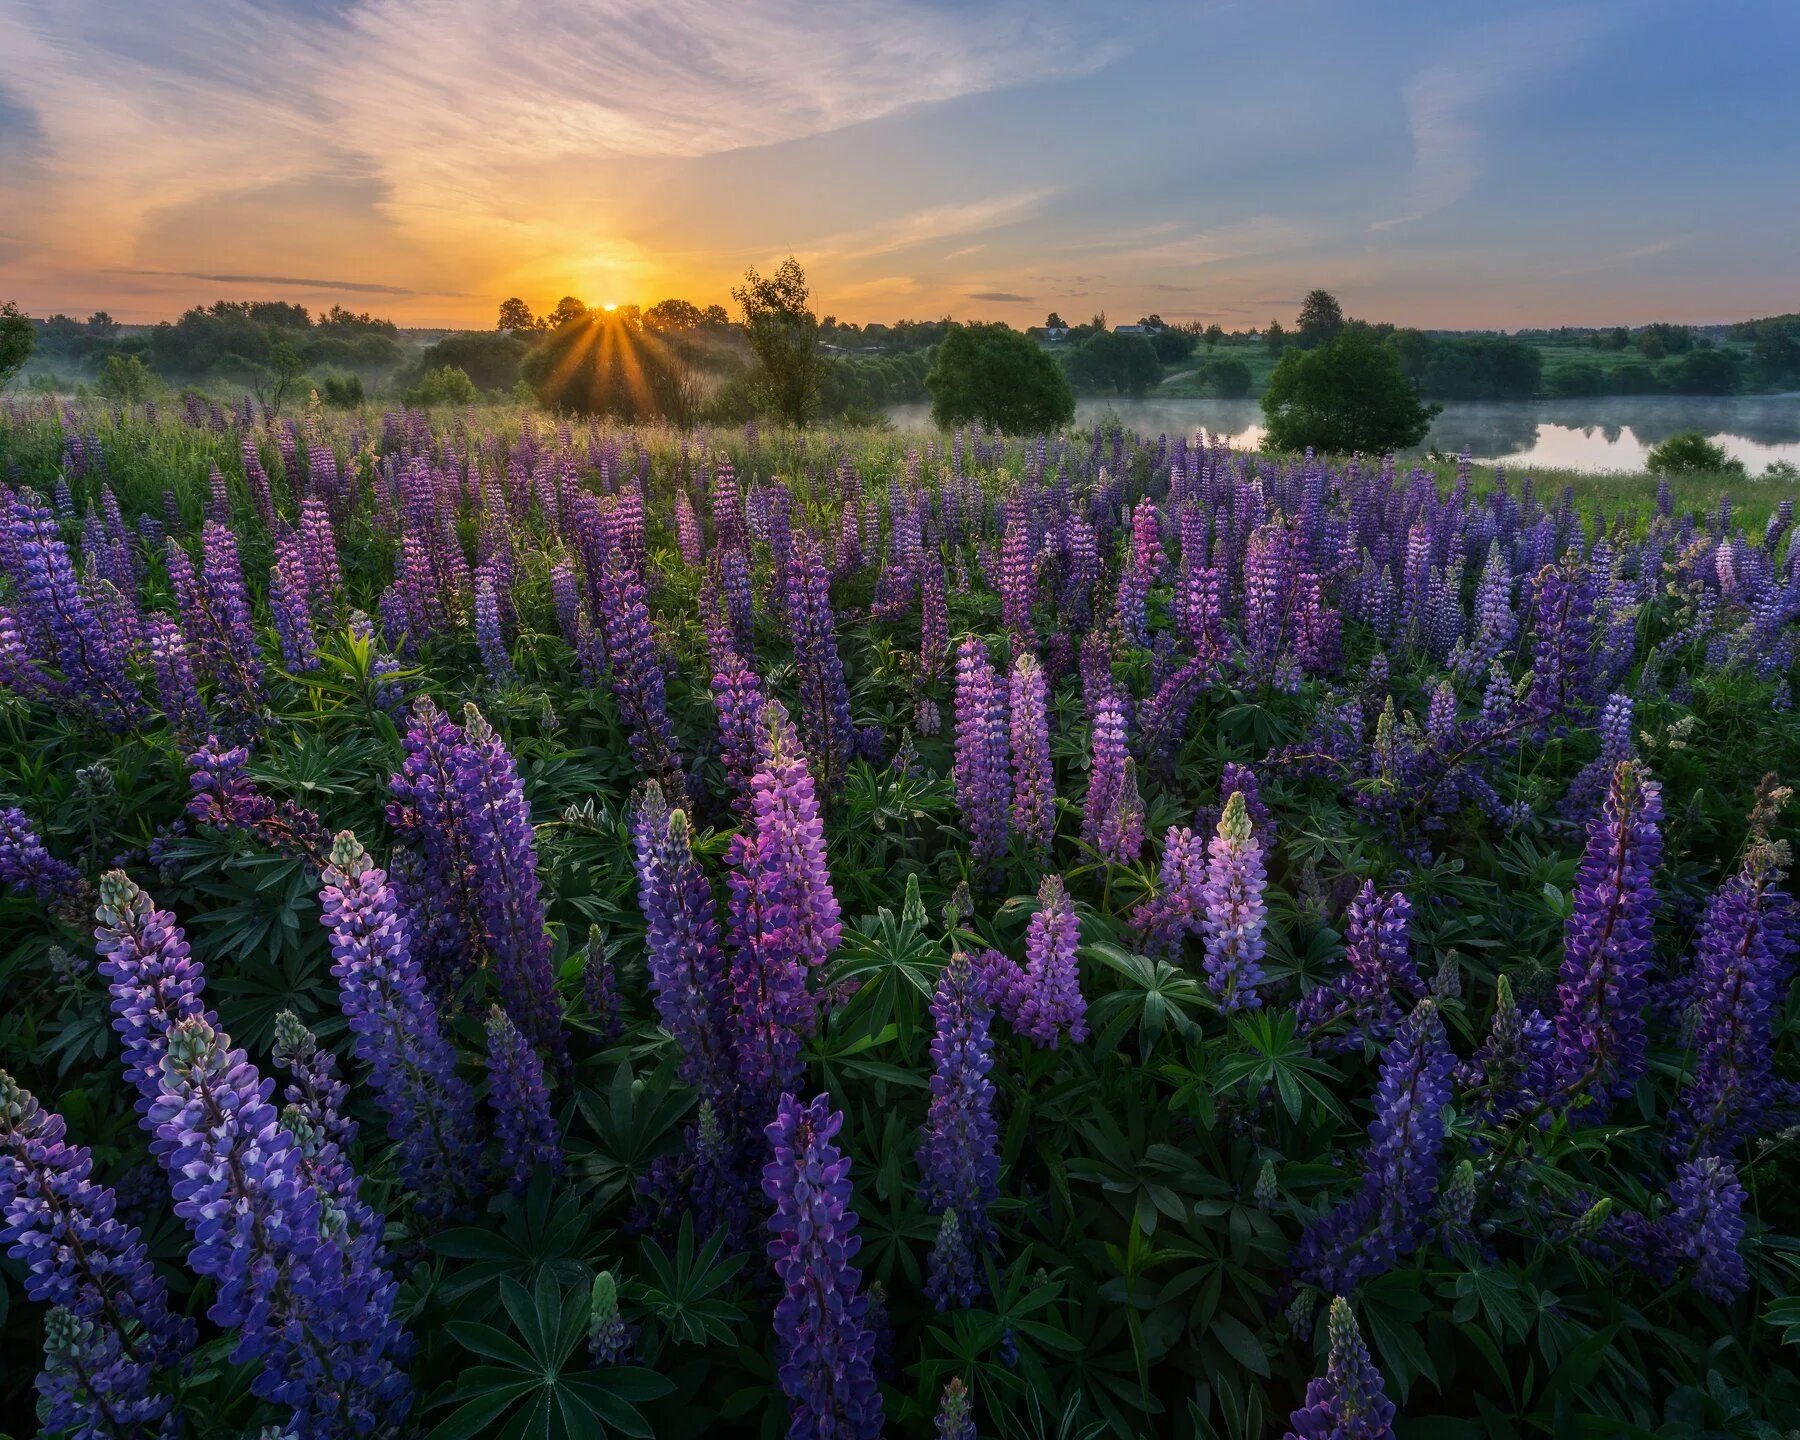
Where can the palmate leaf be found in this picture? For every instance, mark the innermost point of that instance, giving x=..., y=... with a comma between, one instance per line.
x=682, y=1290
x=539, y=1365
x=1156, y=996
x=538, y=1231
x=1274, y=1054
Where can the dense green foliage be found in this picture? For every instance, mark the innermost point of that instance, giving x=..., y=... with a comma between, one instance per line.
x=1689, y=452
x=1156, y=1176
x=993, y=374
x=1346, y=397
x=1108, y=363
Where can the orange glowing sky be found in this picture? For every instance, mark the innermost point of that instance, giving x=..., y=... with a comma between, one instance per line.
x=1456, y=166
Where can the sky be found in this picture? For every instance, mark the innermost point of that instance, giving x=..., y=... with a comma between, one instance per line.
x=1473, y=165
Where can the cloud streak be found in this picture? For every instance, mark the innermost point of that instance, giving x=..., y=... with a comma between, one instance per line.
x=1447, y=102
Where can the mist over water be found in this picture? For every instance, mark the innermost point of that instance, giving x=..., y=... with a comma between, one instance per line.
x=1592, y=434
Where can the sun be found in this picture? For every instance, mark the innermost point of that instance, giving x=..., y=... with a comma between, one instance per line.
x=610, y=306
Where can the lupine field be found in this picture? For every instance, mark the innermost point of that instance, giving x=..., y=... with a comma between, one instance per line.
x=527, y=930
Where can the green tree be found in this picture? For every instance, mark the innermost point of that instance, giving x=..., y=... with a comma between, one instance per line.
x=568, y=310
x=1275, y=337
x=993, y=374
x=1229, y=378
x=446, y=385
x=1705, y=372
x=1112, y=363
x=674, y=315
x=1172, y=346
x=1689, y=452
x=784, y=335
x=1321, y=317
x=342, y=392
x=1214, y=334
x=17, y=339
x=285, y=370
x=126, y=378
x=1053, y=321
x=1347, y=397
x=515, y=315
x=489, y=358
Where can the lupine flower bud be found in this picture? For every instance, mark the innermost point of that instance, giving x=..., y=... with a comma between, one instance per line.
x=1347, y=1402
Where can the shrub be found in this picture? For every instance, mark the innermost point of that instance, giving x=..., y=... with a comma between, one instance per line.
x=1688, y=452
x=1345, y=397
x=447, y=385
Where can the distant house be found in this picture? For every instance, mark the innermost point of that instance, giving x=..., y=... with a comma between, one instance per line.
x=1137, y=329
x=1055, y=334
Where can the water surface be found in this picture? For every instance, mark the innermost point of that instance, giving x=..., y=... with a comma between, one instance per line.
x=1592, y=435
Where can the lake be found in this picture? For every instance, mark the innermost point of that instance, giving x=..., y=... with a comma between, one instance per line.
x=1595, y=434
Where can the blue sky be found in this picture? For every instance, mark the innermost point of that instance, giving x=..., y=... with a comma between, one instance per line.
x=1461, y=165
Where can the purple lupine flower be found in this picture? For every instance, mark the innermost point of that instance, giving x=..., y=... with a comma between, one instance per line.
x=954, y=1422
x=529, y=1138
x=1347, y=1402
x=959, y=1157
x=934, y=618
x=227, y=638
x=1561, y=642
x=318, y=551
x=1377, y=962
x=490, y=638
x=428, y=811
x=57, y=625
x=1017, y=583
x=600, y=989
x=636, y=672
x=1742, y=963
x=154, y=981
x=690, y=981
x=738, y=699
x=1514, y=1070
x=27, y=867
x=61, y=1226
x=396, y=1030
x=825, y=725
x=309, y=1297
x=783, y=918
x=1034, y=786
x=314, y=1115
x=1232, y=910
x=1122, y=832
x=687, y=531
x=983, y=792
x=225, y=798
x=1043, y=1000
x=288, y=602
x=1106, y=777
x=1589, y=787
x=503, y=849
x=1176, y=910
x=1607, y=941
x=1708, y=1215
x=825, y=1349
x=1388, y=1216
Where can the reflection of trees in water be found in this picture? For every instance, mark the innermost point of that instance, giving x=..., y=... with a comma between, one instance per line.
x=1762, y=419
x=1484, y=430
x=1500, y=428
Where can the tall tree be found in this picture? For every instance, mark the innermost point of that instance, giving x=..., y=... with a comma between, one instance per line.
x=515, y=314
x=784, y=334
x=1321, y=318
x=16, y=341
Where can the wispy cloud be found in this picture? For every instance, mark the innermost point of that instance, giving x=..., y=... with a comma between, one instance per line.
x=1447, y=103
x=292, y=282
x=999, y=297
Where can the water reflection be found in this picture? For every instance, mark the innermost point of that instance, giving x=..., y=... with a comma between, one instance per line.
x=1592, y=434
